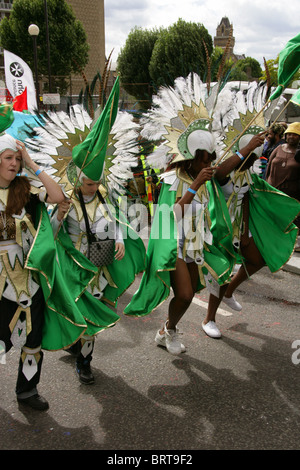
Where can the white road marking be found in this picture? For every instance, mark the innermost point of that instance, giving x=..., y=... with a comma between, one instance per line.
x=203, y=304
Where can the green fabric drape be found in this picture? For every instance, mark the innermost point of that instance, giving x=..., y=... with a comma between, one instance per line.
x=64, y=323
x=271, y=215
x=163, y=249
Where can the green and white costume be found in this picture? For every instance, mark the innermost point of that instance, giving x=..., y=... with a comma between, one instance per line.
x=271, y=212
x=52, y=142
x=206, y=239
x=182, y=119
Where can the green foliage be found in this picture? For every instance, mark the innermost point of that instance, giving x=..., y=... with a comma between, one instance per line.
x=272, y=66
x=178, y=51
x=67, y=38
x=246, y=69
x=158, y=56
x=133, y=62
x=216, y=59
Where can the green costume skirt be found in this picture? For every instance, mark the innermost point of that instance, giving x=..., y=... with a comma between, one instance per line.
x=162, y=252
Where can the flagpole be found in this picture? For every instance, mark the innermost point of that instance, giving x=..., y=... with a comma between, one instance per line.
x=33, y=30
x=274, y=122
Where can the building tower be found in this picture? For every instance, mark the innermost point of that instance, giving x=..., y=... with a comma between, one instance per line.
x=222, y=35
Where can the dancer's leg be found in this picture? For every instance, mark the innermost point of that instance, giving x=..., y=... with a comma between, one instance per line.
x=253, y=263
x=213, y=305
x=184, y=283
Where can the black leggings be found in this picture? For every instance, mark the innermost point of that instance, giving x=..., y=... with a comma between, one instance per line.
x=33, y=340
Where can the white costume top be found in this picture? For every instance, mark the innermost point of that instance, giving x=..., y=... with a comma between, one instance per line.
x=193, y=224
x=17, y=284
x=101, y=222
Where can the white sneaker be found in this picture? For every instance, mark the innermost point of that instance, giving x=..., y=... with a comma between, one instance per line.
x=211, y=329
x=232, y=303
x=169, y=340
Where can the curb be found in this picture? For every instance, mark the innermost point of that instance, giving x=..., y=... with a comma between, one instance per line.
x=293, y=265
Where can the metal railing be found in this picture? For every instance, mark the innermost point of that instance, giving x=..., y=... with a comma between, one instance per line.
x=6, y=6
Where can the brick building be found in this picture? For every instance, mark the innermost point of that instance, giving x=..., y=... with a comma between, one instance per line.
x=91, y=15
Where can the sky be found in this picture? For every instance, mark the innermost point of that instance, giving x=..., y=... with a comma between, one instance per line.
x=261, y=28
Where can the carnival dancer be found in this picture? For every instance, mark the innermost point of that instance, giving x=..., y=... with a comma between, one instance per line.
x=263, y=230
x=26, y=252
x=92, y=212
x=112, y=279
x=190, y=245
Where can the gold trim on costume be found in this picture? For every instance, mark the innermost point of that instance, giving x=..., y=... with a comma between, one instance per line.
x=16, y=318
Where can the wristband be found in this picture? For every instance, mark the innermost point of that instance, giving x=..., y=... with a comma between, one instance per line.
x=37, y=172
x=240, y=155
x=192, y=191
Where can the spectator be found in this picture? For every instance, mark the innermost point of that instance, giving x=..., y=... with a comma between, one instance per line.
x=283, y=170
x=273, y=138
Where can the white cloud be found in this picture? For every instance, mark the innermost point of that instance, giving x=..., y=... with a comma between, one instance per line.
x=261, y=29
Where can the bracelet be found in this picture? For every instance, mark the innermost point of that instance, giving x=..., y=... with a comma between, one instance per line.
x=192, y=191
x=240, y=155
x=37, y=172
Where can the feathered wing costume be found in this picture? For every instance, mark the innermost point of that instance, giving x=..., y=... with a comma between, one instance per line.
x=50, y=140
x=271, y=212
x=181, y=118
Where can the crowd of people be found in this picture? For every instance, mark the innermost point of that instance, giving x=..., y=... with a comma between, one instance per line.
x=220, y=215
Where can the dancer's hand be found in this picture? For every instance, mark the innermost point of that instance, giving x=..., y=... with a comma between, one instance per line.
x=256, y=141
x=25, y=156
x=63, y=208
x=204, y=175
x=120, y=251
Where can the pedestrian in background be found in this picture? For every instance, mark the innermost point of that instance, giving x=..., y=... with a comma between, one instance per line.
x=283, y=170
x=274, y=137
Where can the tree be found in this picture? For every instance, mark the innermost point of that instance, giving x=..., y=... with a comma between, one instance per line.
x=133, y=62
x=272, y=72
x=178, y=51
x=246, y=69
x=216, y=61
x=67, y=38
x=156, y=57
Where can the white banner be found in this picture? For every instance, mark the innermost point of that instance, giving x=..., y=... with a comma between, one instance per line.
x=18, y=76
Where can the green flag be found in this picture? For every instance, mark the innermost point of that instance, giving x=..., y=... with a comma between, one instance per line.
x=289, y=63
x=89, y=156
x=6, y=116
x=296, y=97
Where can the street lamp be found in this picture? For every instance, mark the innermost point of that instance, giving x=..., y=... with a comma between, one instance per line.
x=34, y=30
x=48, y=45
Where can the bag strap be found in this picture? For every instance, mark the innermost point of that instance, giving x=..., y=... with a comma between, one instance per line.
x=90, y=236
x=89, y=233
x=100, y=197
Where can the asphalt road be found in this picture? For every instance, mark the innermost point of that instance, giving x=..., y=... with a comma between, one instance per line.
x=237, y=392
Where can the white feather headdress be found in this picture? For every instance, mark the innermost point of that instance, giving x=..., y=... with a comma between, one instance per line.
x=53, y=135
x=224, y=114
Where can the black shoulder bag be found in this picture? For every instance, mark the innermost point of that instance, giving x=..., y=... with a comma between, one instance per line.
x=100, y=252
